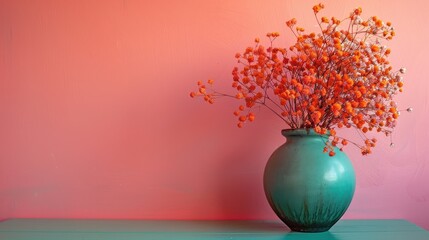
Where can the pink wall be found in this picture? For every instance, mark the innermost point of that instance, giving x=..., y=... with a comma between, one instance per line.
x=96, y=121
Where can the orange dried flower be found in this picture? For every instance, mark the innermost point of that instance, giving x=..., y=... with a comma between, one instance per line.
x=358, y=11
x=242, y=118
x=325, y=20
x=336, y=106
x=317, y=8
x=251, y=117
x=291, y=22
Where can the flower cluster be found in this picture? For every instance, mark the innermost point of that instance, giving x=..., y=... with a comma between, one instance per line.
x=340, y=77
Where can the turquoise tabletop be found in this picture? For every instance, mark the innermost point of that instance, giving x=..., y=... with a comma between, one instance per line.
x=63, y=229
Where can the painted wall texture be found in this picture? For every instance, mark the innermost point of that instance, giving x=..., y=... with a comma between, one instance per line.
x=96, y=120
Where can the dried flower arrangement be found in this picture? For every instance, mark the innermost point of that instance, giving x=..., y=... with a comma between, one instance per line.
x=340, y=77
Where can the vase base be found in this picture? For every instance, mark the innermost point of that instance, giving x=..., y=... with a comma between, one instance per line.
x=310, y=230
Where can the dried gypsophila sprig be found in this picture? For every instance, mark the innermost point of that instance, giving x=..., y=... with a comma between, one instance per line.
x=334, y=79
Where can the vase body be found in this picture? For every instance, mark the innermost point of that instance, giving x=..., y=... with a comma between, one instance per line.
x=307, y=189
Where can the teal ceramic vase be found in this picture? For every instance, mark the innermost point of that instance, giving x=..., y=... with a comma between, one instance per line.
x=307, y=189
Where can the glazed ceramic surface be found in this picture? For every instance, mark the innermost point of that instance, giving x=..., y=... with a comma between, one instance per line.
x=307, y=189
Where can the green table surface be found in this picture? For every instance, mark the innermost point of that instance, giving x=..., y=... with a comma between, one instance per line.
x=59, y=229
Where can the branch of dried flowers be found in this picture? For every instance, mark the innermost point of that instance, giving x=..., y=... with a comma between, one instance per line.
x=332, y=80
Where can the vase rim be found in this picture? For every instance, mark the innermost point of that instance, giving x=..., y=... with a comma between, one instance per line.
x=301, y=132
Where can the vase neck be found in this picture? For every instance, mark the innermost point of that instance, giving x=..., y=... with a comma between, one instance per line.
x=301, y=132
